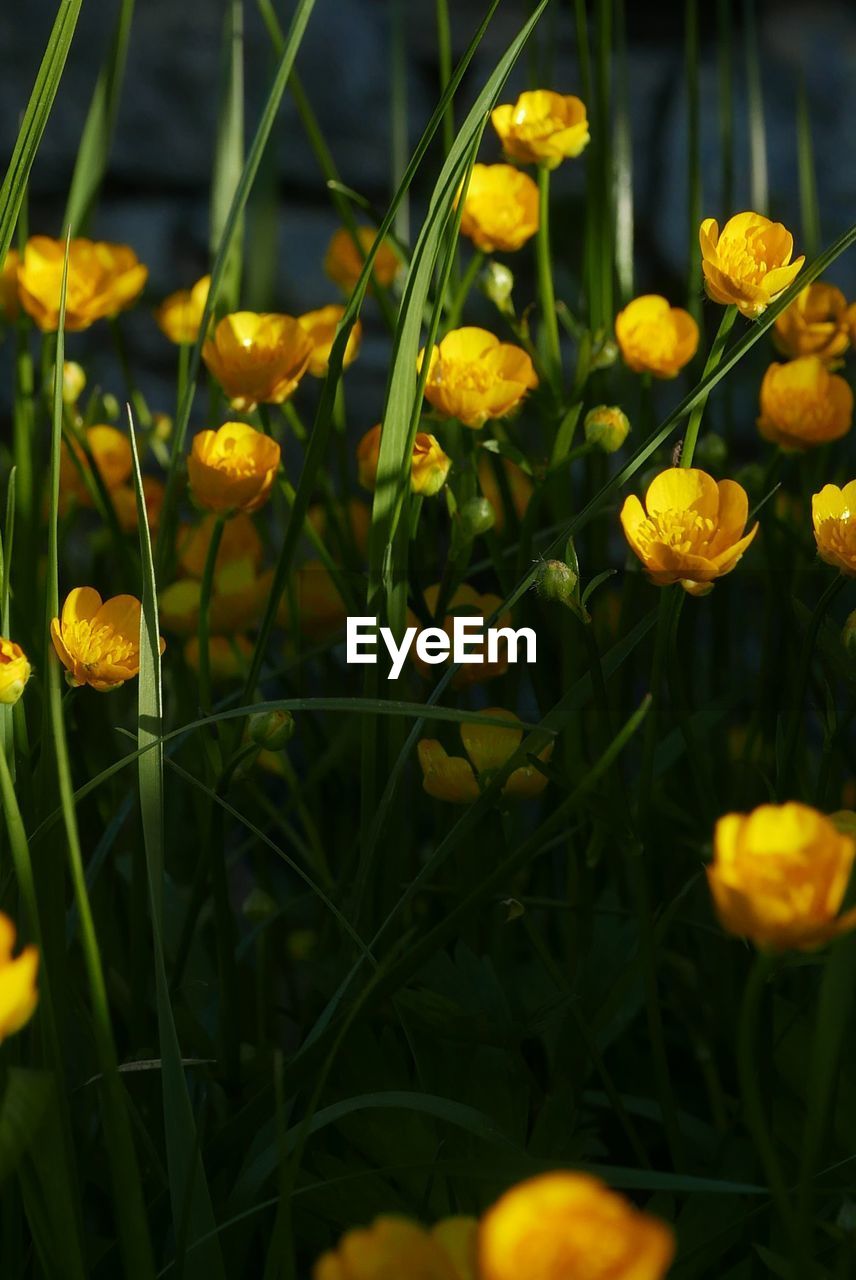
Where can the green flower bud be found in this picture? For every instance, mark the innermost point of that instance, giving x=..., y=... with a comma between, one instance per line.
x=557, y=581
x=110, y=406
x=477, y=516
x=711, y=451
x=606, y=427
x=73, y=382
x=271, y=730
x=258, y=906
x=752, y=478
x=496, y=283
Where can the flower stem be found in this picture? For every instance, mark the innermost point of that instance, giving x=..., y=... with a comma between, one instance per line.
x=545, y=277
x=204, y=606
x=729, y=315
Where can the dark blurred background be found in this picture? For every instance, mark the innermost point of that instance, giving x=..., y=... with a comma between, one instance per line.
x=156, y=193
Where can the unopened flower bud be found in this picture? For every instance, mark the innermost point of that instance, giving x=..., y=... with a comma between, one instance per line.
x=477, y=516
x=258, y=906
x=606, y=427
x=110, y=406
x=271, y=730
x=711, y=451
x=162, y=426
x=557, y=581
x=497, y=283
x=752, y=478
x=73, y=382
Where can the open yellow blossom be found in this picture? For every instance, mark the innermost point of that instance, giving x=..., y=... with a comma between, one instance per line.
x=257, y=357
x=238, y=596
x=180, y=315
x=501, y=208
x=9, y=307
x=14, y=671
x=803, y=404
x=239, y=541
x=111, y=453
x=562, y=1225
x=321, y=326
x=232, y=469
x=519, y=487
x=343, y=262
x=749, y=263
x=691, y=529
x=98, y=642
x=779, y=875
x=18, y=991
x=229, y=657
x=833, y=513
x=398, y=1247
x=103, y=279
x=654, y=337
x=465, y=601
x=461, y=780
x=429, y=466
x=542, y=127
x=815, y=324
x=473, y=377
x=125, y=504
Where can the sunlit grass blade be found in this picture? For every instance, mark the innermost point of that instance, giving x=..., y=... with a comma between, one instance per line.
x=725, y=66
x=692, y=58
x=623, y=160
x=809, y=203
x=758, y=179
x=229, y=157
x=398, y=114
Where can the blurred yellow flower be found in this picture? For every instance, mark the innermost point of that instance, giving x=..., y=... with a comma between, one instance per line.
x=395, y=1248
x=125, y=504
x=655, y=337
x=833, y=513
x=18, y=991
x=14, y=671
x=562, y=1225
x=321, y=327
x=779, y=875
x=461, y=780
x=180, y=315
x=501, y=208
x=228, y=656
x=111, y=453
x=352, y=519
x=466, y=601
x=343, y=263
x=258, y=358
x=429, y=466
x=103, y=279
x=472, y=376
x=519, y=488
x=815, y=324
x=9, y=306
x=73, y=382
x=542, y=127
x=239, y=541
x=321, y=611
x=850, y=321
x=98, y=642
x=238, y=596
x=803, y=404
x=749, y=264
x=232, y=469
x=691, y=529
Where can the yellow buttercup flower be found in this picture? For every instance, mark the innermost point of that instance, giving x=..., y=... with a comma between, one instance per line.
x=501, y=208
x=111, y=453
x=803, y=404
x=98, y=642
x=238, y=596
x=542, y=127
x=472, y=376
x=749, y=263
x=779, y=875
x=257, y=357
x=103, y=279
x=563, y=1225
x=239, y=541
x=397, y=1247
x=655, y=337
x=833, y=513
x=815, y=324
x=14, y=671
x=321, y=327
x=691, y=529
x=9, y=306
x=125, y=504
x=232, y=469
x=343, y=262
x=180, y=315
x=850, y=321
x=519, y=488
x=461, y=780
x=465, y=601
x=429, y=466
x=18, y=991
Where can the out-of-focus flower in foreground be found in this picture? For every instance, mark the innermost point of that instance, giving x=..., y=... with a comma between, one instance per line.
x=690, y=530
x=351, y=523
x=542, y=127
x=461, y=780
x=606, y=427
x=655, y=337
x=815, y=324
x=180, y=315
x=232, y=469
x=239, y=541
x=466, y=601
x=501, y=208
x=429, y=467
x=228, y=656
x=14, y=671
x=473, y=377
x=125, y=504
x=398, y=1247
x=103, y=279
x=321, y=327
x=9, y=306
x=111, y=454
x=343, y=262
x=73, y=382
x=779, y=875
x=18, y=991
x=833, y=513
x=519, y=487
x=257, y=357
x=748, y=263
x=562, y=1225
x=803, y=404
x=98, y=642
x=238, y=596
x=319, y=608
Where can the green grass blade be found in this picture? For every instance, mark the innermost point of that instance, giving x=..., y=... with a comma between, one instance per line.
x=93, y=152
x=623, y=161
x=229, y=157
x=809, y=203
x=694, y=195
x=399, y=139
x=758, y=180
x=725, y=65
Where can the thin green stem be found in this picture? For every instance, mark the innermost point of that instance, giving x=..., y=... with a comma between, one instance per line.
x=204, y=608
x=553, y=352
x=691, y=438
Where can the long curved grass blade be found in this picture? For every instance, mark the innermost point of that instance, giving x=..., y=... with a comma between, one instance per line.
x=809, y=203
x=758, y=179
x=229, y=156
